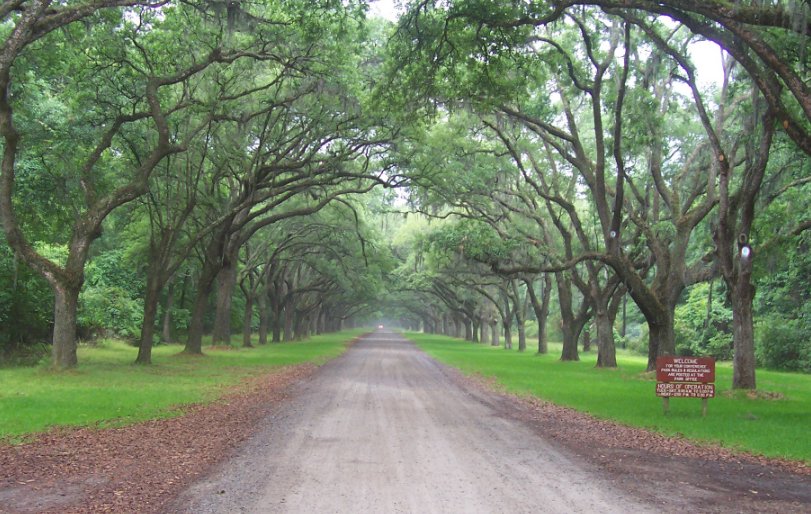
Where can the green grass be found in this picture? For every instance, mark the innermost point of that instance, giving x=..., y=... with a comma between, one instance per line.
x=775, y=428
x=108, y=390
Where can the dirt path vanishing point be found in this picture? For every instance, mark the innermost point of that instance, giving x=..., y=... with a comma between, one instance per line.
x=385, y=428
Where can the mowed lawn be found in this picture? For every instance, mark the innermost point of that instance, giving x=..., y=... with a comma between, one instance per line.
x=777, y=424
x=108, y=390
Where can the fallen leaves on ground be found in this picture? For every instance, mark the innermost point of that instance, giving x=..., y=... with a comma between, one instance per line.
x=140, y=467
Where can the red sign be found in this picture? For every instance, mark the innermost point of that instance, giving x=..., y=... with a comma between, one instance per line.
x=685, y=369
x=685, y=390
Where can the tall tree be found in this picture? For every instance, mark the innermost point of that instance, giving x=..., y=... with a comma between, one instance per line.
x=123, y=60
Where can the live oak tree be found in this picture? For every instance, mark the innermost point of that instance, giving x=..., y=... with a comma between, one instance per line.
x=462, y=168
x=119, y=63
x=228, y=97
x=310, y=144
x=505, y=40
x=459, y=167
x=168, y=205
x=624, y=220
x=467, y=288
x=409, y=285
x=542, y=205
x=742, y=155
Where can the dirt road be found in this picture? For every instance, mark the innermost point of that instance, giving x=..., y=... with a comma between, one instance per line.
x=386, y=429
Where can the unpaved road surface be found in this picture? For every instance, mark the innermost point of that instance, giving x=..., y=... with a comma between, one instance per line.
x=385, y=428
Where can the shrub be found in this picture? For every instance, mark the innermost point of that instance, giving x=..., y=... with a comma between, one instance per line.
x=111, y=302
x=29, y=354
x=26, y=307
x=697, y=335
x=637, y=340
x=783, y=343
x=109, y=310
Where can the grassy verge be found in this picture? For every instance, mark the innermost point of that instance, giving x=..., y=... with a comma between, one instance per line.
x=108, y=390
x=776, y=426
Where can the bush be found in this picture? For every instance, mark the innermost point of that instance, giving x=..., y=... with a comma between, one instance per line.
x=637, y=341
x=531, y=328
x=26, y=307
x=23, y=354
x=111, y=302
x=783, y=343
x=695, y=334
x=619, y=341
x=109, y=311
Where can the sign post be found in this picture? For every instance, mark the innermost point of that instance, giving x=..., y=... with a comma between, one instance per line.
x=685, y=377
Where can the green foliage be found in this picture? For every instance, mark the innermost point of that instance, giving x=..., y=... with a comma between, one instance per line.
x=760, y=426
x=111, y=302
x=639, y=344
x=24, y=355
x=476, y=240
x=109, y=309
x=464, y=65
x=469, y=62
x=703, y=333
x=784, y=343
x=26, y=307
x=783, y=301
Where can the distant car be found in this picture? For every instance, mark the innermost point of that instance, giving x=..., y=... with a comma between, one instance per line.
x=380, y=326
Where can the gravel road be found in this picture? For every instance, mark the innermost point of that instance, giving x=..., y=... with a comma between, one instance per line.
x=384, y=428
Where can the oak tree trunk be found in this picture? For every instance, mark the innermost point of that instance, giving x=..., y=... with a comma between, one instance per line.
x=541, y=309
x=289, y=316
x=322, y=322
x=743, y=373
x=166, y=333
x=316, y=322
x=226, y=282
x=277, y=309
x=522, y=336
x=66, y=301
x=150, y=316
x=661, y=338
x=570, y=335
x=277, y=330
x=264, y=318
x=205, y=283
x=568, y=328
x=247, y=322
x=300, y=326
x=606, y=349
x=508, y=336
x=194, y=342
